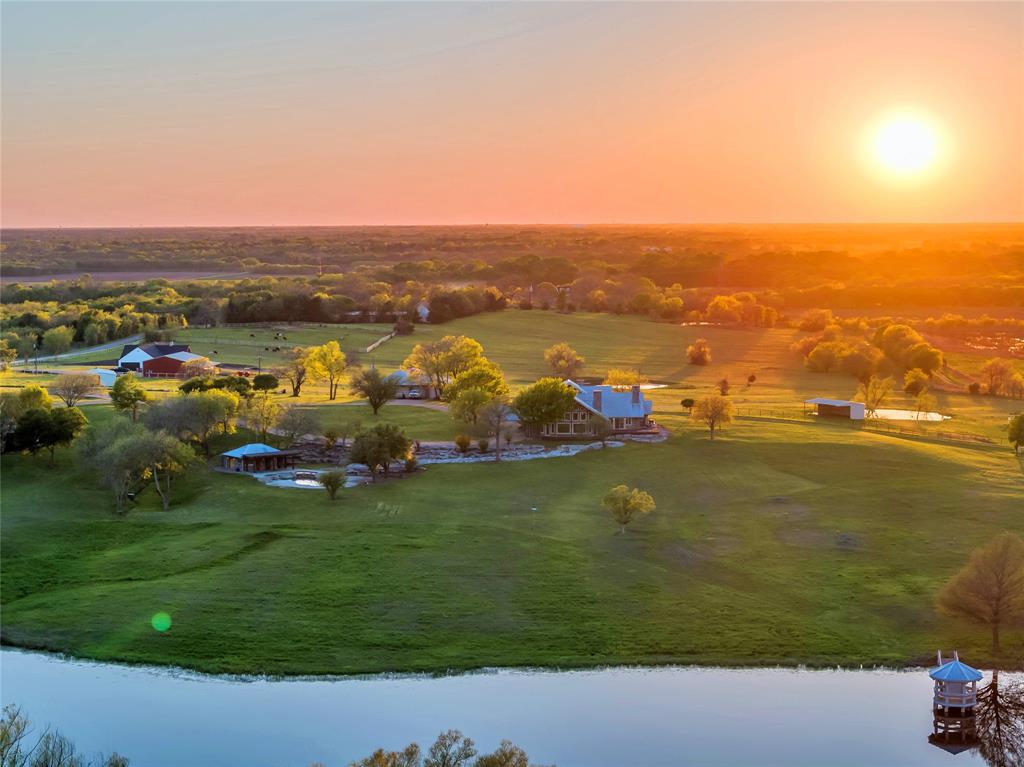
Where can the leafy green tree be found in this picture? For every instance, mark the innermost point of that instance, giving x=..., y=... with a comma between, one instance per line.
x=67, y=423
x=8, y=355
x=196, y=384
x=34, y=431
x=265, y=382
x=915, y=381
x=112, y=452
x=715, y=412
x=621, y=379
x=165, y=458
x=377, y=447
x=195, y=416
x=128, y=395
x=34, y=396
x=482, y=374
x=332, y=482
x=564, y=361
x=444, y=360
x=542, y=402
x=1016, y=432
x=990, y=587
x=466, y=406
x=626, y=504
x=373, y=386
x=328, y=363
x=688, y=403
x=262, y=413
x=58, y=340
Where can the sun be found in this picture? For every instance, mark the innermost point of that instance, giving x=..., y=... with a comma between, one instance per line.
x=905, y=144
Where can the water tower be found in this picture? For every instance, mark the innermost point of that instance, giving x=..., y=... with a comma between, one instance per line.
x=953, y=704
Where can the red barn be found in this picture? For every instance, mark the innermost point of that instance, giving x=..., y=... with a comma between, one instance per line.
x=167, y=366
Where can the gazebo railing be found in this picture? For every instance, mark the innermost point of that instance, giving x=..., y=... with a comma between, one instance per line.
x=956, y=700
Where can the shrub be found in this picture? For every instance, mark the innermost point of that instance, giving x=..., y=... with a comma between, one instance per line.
x=411, y=464
x=332, y=482
x=462, y=442
x=699, y=352
x=483, y=443
x=974, y=388
x=265, y=382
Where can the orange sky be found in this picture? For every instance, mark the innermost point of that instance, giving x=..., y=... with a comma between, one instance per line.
x=290, y=113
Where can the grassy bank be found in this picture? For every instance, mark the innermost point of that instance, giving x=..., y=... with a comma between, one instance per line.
x=783, y=543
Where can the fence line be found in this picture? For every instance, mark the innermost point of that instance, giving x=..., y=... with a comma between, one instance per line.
x=379, y=341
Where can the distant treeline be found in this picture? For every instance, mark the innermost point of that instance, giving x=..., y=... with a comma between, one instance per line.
x=840, y=266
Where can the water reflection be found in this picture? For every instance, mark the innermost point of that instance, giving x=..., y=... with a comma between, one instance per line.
x=1000, y=722
x=989, y=719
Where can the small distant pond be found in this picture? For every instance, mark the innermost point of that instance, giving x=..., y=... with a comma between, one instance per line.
x=604, y=718
x=896, y=414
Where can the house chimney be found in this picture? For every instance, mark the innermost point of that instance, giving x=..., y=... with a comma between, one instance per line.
x=597, y=400
x=636, y=394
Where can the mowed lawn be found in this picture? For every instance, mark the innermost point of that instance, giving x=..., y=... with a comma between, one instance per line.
x=780, y=543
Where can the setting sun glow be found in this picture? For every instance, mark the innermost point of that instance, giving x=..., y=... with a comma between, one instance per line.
x=905, y=144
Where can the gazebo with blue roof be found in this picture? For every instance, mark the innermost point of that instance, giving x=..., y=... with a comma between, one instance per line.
x=956, y=695
x=257, y=457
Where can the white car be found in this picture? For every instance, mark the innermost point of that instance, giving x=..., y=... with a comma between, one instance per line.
x=414, y=394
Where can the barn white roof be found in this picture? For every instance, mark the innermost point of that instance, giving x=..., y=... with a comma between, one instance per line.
x=832, y=402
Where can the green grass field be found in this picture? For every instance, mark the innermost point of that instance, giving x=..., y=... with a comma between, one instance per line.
x=783, y=542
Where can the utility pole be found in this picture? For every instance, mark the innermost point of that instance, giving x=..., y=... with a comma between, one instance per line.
x=259, y=363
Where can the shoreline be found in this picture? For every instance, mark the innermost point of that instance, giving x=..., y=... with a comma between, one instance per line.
x=250, y=677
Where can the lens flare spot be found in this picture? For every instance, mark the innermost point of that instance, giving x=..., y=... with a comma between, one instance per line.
x=160, y=622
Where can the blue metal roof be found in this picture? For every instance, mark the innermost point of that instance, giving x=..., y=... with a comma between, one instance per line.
x=955, y=671
x=614, y=404
x=253, y=448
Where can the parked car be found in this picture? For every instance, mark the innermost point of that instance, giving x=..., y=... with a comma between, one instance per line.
x=415, y=394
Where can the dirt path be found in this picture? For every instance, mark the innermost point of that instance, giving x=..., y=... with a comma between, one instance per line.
x=109, y=346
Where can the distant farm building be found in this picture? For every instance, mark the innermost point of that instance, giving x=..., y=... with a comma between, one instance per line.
x=257, y=457
x=106, y=377
x=836, y=408
x=133, y=355
x=177, y=364
x=413, y=385
x=626, y=411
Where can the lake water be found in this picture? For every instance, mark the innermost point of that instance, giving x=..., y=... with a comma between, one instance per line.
x=617, y=717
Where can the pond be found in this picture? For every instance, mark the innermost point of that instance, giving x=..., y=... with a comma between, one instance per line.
x=896, y=414
x=614, y=717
